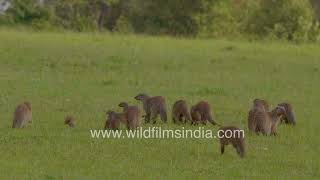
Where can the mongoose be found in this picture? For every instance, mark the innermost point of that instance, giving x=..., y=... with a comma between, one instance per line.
x=195, y=116
x=204, y=110
x=267, y=122
x=22, y=115
x=152, y=107
x=113, y=120
x=258, y=105
x=261, y=102
x=131, y=114
x=232, y=135
x=276, y=114
x=70, y=121
x=289, y=117
x=180, y=112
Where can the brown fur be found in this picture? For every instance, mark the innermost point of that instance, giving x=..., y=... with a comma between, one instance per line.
x=202, y=110
x=70, y=121
x=195, y=116
x=152, y=107
x=267, y=122
x=22, y=115
x=258, y=105
x=180, y=112
x=131, y=114
x=289, y=117
x=251, y=121
x=261, y=102
x=237, y=139
x=113, y=120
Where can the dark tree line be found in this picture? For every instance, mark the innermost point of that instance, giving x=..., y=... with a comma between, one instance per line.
x=286, y=19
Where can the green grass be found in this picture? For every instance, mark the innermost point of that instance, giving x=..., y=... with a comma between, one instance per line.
x=85, y=74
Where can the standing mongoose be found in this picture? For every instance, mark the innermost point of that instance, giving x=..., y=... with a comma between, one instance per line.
x=258, y=105
x=131, y=114
x=152, y=107
x=113, y=120
x=267, y=122
x=70, y=121
x=22, y=115
x=180, y=112
x=232, y=135
x=289, y=117
x=203, y=109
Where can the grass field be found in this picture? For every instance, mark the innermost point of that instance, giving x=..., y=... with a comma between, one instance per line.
x=85, y=74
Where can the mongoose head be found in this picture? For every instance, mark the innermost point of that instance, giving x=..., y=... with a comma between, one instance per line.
x=289, y=115
x=285, y=105
x=141, y=97
x=123, y=105
x=28, y=104
x=279, y=111
x=259, y=103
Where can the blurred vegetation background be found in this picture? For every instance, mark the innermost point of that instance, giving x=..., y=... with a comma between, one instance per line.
x=293, y=20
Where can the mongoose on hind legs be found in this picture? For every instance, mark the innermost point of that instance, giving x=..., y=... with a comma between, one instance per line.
x=258, y=105
x=113, y=120
x=152, y=107
x=267, y=122
x=180, y=112
x=261, y=102
x=131, y=114
x=22, y=115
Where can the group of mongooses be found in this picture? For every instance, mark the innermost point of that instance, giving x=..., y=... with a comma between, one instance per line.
x=156, y=105
x=260, y=118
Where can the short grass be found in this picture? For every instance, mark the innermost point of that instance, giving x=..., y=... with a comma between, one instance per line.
x=85, y=74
